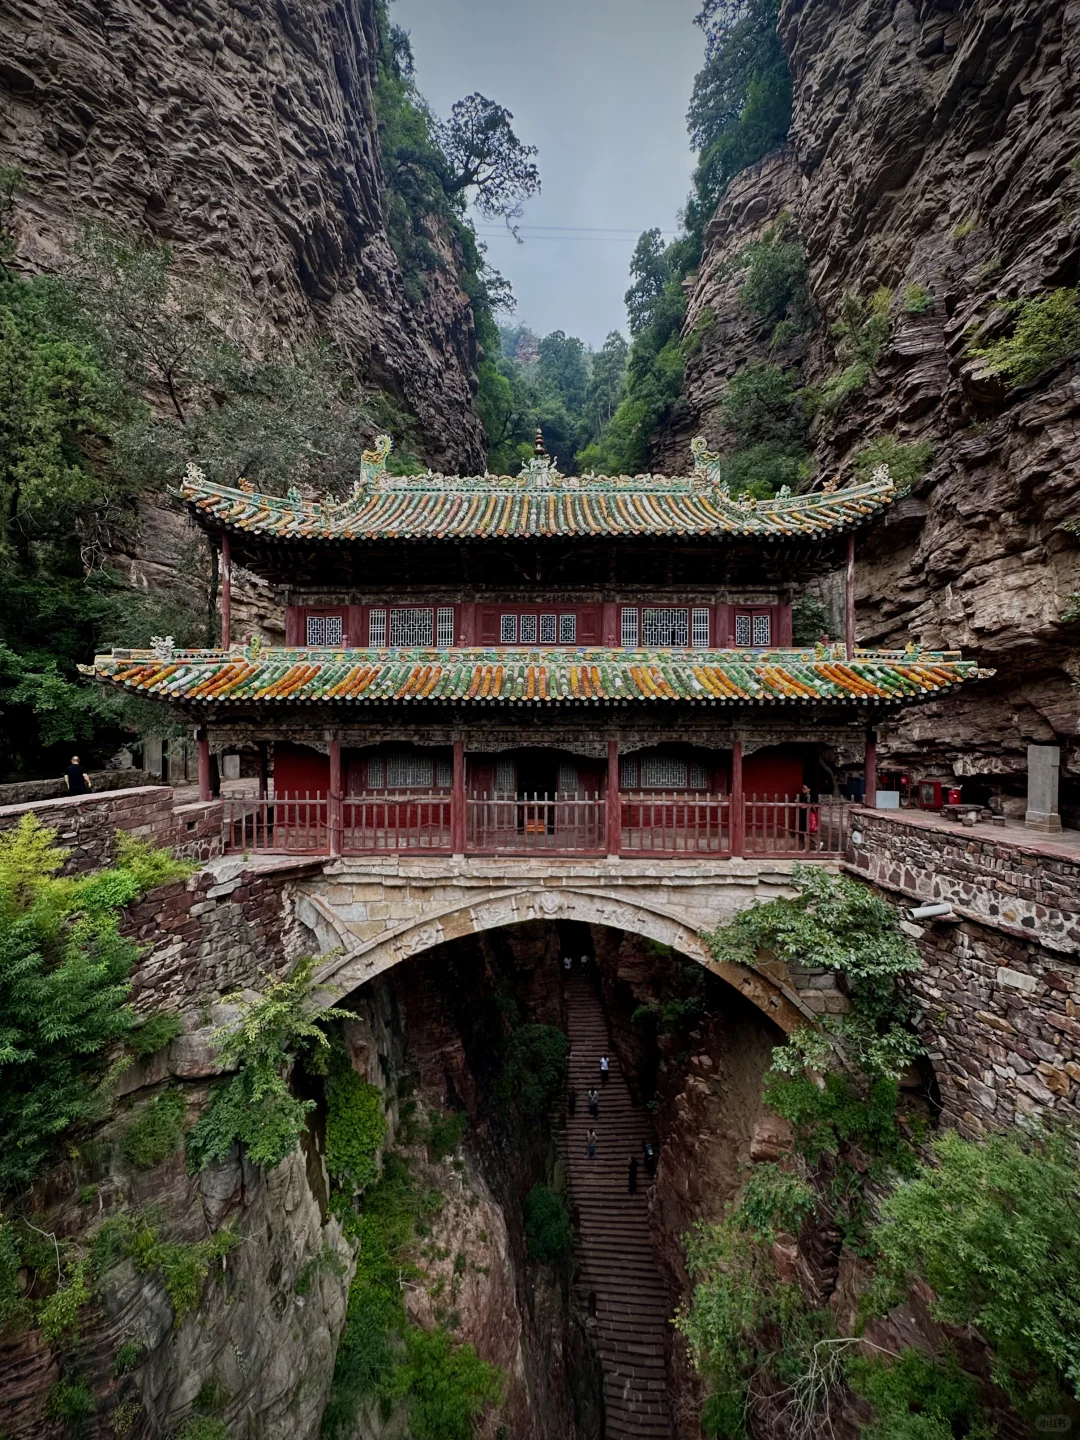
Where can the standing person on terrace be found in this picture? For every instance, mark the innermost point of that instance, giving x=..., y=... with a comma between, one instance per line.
x=78, y=782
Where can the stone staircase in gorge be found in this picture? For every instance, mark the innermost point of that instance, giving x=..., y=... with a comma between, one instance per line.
x=633, y=1307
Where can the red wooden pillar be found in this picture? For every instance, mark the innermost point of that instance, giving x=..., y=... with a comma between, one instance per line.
x=870, y=791
x=226, y=591
x=457, y=800
x=264, y=770
x=614, y=800
x=204, y=766
x=334, y=810
x=737, y=822
x=849, y=598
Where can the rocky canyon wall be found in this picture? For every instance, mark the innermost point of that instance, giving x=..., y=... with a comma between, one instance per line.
x=933, y=145
x=245, y=137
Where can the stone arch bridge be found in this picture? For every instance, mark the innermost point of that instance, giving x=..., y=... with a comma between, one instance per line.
x=368, y=915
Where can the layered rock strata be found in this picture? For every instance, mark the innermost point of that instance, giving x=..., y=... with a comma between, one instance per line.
x=932, y=146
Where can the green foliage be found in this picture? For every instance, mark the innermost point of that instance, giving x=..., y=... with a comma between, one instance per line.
x=761, y=403
x=59, y=1315
x=382, y=1226
x=71, y=1401
x=918, y=299
x=776, y=289
x=810, y=619
x=444, y=1132
x=256, y=1109
x=128, y=1356
x=156, y=1132
x=326, y=1262
x=445, y=1386
x=966, y=227
x=11, y=1301
x=155, y=1033
x=846, y=927
x=741, y=104
x=64, y=989
x=213, y=1395
x=743, y=1323
x=907, y=463
x=534, y=1069
x=203, y=1427
x=548, y=1232
x=774, y=1199
x=994, y=1228
x=355, y=1126
x=1045, y=330
x=183, y=1268
x=919, y=1397
x=860, y=335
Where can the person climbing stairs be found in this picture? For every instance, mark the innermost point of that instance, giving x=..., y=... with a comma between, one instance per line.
x=633, y=1306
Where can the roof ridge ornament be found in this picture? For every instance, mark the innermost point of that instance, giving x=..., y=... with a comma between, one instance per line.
x=707, y=463
x=373, y=463
x=542, y=469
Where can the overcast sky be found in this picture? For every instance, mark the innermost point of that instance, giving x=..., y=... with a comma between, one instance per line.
x=601, y=88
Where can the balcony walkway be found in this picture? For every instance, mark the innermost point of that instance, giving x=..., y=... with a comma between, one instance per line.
x=651, y=825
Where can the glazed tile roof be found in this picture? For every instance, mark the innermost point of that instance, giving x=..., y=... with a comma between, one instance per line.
x=537, y=503
x=538, y=677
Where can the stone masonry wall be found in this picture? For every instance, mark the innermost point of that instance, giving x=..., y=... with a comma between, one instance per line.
x=87, y=824
x=1001, y=987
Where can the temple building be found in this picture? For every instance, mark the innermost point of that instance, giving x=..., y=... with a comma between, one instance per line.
x=540, y=662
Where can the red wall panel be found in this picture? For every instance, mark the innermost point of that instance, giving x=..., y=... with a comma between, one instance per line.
x=777, y=771
x=300, y=771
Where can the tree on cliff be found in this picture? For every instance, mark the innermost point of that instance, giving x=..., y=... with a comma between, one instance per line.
x=486, y=157
x=741, y=105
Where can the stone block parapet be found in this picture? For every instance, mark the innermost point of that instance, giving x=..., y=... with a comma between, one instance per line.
x=87, y=825
x=1009, y=880
x=24, y=792
x=1000, y=992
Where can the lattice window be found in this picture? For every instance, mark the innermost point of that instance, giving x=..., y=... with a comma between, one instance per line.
x=508, y=629
x=762, y=631
x=698, y=778
x=505, y=776
x=444, y=627
x=629, y=627
x=324, y=630
x=528, y=629
x=742, y=630
x=568, y=777
x=663, y=772
x=549, y=629
x=629, y=772
x=444, y=772
x=406, y=770
x=376, y=633
x=567, y=629
x=411, y=627
x=662, y=629
x=376, y=773
x=699, y=629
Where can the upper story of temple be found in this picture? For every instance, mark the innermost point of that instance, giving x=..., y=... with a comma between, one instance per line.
x=534, y=560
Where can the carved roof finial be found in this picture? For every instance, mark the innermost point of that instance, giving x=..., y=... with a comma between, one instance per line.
x=540, y=442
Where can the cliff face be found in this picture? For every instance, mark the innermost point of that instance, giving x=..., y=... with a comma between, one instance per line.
x=931, y=146
x=244, y=136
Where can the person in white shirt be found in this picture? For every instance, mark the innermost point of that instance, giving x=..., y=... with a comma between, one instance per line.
x=605, y=1065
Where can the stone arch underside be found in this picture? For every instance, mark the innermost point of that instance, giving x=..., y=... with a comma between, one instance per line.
x=351, y=963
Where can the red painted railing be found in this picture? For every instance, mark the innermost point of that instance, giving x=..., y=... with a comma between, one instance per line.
x=669, y=824
x=373, y=823
x=511, y=823
x=652, y=824
x=795, y=827
x=292, y=826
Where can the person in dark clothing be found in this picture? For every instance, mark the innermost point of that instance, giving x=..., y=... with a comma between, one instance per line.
x=632, y=1175
x=594, y=1104
x=571, y=1100
x=78, y=782
x=651, y=1157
